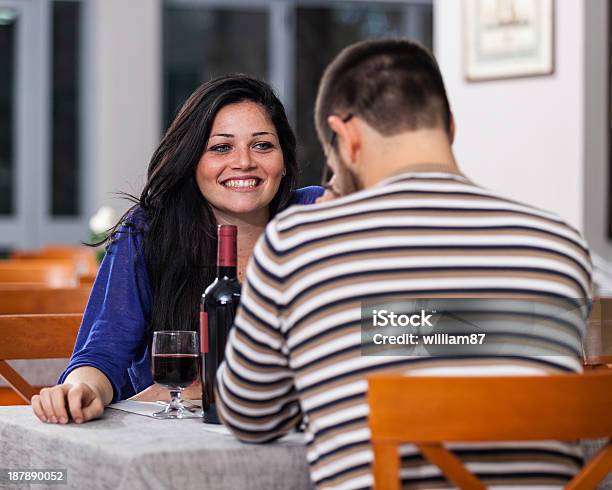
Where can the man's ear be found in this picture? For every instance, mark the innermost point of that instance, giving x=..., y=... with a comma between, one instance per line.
x=348, y=138
x=452, y=129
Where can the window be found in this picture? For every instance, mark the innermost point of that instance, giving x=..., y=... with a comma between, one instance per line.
x=8, y=30
x=201, y=43
x=65, y=127
x=321, y=33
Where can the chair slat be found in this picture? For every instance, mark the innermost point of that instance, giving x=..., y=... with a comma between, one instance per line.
x=594, y=471
x=87, y=279
x=16, y=382
x=82, y=257
x=38, y=336
x=597, y=343
x=386, y=462
x=9, y=397
x=59, y=273
x=44, y=300
x=451, y=466
x=21, y=286
x=466, y=408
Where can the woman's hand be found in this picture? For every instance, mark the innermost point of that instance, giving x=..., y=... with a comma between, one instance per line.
x=55, y=405
x=157, y=392
x=153, y=393
x=193, y=392
x=330, y=192
x=328, y=195
x=83, y=396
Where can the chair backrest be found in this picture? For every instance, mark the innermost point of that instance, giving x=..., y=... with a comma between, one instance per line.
x=21, y=286
x=34, y=337
x=52, y=273
x=83, y=258
x=597, y=344
x=480, y=409
x=87, y=279
x=43, y=300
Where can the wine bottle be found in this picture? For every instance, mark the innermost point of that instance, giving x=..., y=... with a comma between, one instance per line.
x=217, y=310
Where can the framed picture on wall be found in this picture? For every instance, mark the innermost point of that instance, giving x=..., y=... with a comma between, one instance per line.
x=508, y=38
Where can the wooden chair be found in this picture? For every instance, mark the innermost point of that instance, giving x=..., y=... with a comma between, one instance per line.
x=43, y=300
x=52, y=273
x=83, y=258
x=428, y=411
x=34, y=337
x=21, y=286
x=597, y=344
x=87, y=279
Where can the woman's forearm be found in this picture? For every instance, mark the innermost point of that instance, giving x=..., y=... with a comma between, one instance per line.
x=95, y=378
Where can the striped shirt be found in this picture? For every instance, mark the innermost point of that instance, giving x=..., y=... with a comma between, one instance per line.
x=294, y=353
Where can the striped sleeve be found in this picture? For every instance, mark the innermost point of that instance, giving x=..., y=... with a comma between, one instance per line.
x=256, y=397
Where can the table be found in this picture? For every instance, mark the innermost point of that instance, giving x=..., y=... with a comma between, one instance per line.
x=127, y=451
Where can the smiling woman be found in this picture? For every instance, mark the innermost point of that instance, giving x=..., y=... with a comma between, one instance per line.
x=241, y=169
x=229, y=157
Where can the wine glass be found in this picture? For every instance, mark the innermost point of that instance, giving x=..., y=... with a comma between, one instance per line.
x=176, y=365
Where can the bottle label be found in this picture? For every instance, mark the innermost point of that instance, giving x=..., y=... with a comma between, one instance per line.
x=204, y=332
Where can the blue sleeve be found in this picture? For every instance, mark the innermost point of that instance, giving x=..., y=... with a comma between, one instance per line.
x=113, y=331
x=307, y=195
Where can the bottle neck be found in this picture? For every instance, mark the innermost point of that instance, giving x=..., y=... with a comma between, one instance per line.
x=226, y=253
x=226, y=271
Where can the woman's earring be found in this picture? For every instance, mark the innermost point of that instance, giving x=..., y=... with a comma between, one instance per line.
x=284, y=172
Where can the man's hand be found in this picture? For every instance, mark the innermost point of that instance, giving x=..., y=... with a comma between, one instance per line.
x=81, y=401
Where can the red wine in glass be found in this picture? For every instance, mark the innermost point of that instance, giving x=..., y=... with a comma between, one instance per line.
x=176, y=370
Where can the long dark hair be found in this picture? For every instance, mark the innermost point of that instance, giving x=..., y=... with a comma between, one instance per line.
x=180, y=239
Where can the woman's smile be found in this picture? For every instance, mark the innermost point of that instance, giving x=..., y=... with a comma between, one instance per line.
x=245, y=183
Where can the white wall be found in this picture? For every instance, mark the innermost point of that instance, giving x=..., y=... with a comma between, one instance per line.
x=523, y=137
x=122, y=114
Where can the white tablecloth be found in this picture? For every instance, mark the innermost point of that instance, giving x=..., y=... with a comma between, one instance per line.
x=127, y=451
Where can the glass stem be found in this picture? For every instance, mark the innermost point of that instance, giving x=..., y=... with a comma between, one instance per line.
x=175, y=400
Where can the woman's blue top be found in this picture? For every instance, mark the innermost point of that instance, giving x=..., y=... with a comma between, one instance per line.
x=112, y=337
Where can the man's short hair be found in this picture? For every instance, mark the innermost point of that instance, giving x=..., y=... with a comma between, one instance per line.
x=395, y=85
